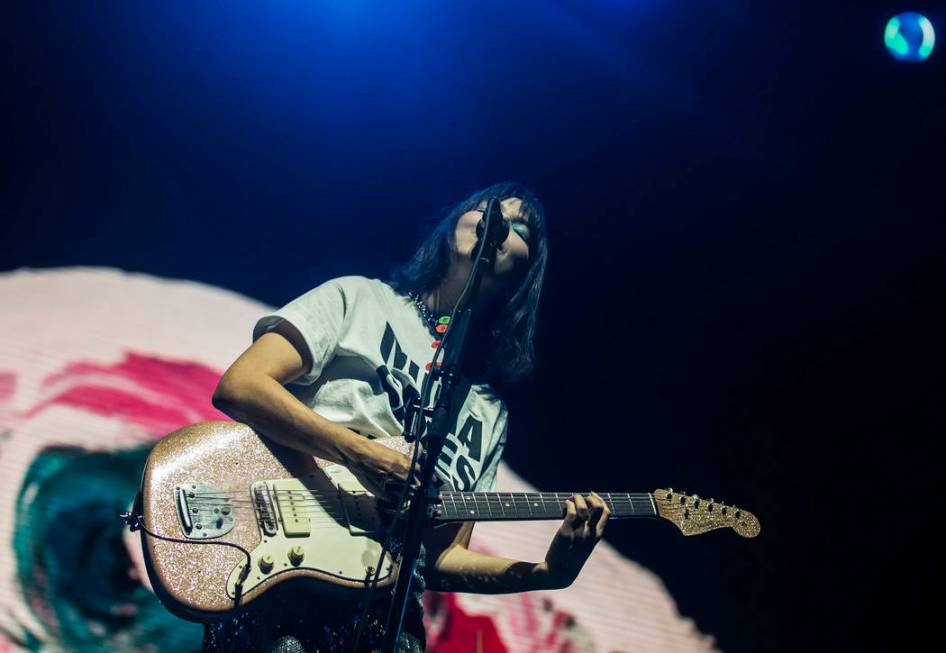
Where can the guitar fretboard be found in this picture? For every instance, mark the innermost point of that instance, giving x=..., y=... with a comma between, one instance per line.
x=495, y=506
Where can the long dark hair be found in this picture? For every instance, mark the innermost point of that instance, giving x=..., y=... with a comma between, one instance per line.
x=508, y=353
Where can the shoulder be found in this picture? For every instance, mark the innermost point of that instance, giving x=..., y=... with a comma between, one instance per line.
x=364, y=297
x=350, y=283
x=351, y=290
x=358, y=285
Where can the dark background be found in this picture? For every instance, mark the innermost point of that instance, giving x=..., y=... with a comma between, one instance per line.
x=746, y=274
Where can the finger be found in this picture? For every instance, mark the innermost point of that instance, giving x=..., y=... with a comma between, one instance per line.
x=602, y=515
x=581, y=506
x=604, y=503
x=596, y=509
x=571, y=513
x=599, y=527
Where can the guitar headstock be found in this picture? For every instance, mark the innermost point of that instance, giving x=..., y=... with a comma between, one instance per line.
x=693, y=515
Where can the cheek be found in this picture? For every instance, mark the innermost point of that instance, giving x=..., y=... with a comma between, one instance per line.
x=465, y=241
x=465, y=234
x=517, y=259
x=521, y=251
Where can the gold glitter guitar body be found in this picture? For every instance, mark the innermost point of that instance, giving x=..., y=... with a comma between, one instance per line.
x=226, y=515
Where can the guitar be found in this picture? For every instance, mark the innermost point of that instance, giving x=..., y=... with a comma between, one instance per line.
x=228, y=515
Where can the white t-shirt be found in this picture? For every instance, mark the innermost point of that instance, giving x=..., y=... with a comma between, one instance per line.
x=369, y=344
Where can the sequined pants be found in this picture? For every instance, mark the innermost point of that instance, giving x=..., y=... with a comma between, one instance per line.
x=296, y=624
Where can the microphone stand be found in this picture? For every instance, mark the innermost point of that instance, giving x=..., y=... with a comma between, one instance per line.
x=422, y=499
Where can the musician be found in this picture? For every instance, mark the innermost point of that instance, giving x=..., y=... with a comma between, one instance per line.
x=329, y=372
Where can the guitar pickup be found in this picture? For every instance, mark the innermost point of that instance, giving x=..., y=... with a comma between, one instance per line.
x=360, y=509
x=295, y=503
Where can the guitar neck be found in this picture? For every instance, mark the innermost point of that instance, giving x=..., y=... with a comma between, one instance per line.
x=519, y=506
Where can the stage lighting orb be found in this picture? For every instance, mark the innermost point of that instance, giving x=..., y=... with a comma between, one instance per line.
x=909, y=36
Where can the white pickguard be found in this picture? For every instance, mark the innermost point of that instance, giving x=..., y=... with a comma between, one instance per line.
x=338, y=532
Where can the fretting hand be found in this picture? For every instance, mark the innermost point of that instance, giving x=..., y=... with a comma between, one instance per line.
x=583, y=526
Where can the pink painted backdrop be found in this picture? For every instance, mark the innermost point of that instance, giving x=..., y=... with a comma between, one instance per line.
x=104, y=360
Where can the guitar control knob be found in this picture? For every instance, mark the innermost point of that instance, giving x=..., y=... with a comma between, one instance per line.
x=296, y=554
x=266, y=563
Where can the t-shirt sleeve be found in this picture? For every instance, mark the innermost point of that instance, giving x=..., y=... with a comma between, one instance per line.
x=320, y=316
x=487, y=480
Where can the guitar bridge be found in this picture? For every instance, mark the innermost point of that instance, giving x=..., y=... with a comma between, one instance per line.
x=265, y=510
x=203, y=511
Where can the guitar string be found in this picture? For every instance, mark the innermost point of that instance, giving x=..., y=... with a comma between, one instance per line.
x=487, y=499
x=323, y=517
x=329, y=511
x=477, y=493
x=302, y=495
x=460, y=507
x=444, y=497
x=445, y=512
x=482, y=496
x=315, y=505
x=320, y=519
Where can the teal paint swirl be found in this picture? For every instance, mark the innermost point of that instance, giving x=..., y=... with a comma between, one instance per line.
x=71, y=561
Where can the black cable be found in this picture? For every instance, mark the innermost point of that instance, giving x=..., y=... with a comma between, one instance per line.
x=135, y=521
x=389, y=533
x=425, y=397
x=478, y=261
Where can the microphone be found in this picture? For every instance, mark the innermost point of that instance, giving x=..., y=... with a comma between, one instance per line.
x=496, y=225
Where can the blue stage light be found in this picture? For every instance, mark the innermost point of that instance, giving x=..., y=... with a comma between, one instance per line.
x=909, y=36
